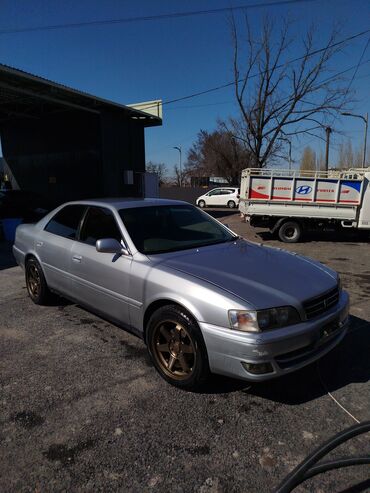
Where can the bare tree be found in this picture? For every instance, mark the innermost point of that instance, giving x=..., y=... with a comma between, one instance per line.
x=279, y=96
x=320, y=162
x=159, y=169
x=308, y=161
x=346, y=156
x=218, y=153
x=181, y=176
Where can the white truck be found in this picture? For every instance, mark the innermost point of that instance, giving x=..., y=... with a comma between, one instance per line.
x=291, y=202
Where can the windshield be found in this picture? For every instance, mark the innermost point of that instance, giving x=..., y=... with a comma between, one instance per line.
x=167, y=228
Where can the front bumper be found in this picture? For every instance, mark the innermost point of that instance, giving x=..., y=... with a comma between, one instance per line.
x=285, y=350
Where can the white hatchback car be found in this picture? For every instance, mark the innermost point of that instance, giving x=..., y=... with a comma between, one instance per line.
x=222, y=197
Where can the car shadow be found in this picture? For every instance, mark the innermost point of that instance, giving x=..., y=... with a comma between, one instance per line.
x=222, y=212
x=344, y=236
x=348, y=363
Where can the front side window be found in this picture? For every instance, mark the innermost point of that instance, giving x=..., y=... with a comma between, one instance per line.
x=65, y=222
x=214, y=192
x=99, y=223
x=169, y=228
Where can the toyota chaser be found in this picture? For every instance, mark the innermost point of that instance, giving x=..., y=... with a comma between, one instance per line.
x=203, y=299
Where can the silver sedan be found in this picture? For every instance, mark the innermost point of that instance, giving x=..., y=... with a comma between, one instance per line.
x=203, y=299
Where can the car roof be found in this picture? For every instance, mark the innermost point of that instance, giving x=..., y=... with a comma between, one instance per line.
x=128, y=203
x=226, y=187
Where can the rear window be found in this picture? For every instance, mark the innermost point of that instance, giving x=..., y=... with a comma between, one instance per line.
x=65, y=222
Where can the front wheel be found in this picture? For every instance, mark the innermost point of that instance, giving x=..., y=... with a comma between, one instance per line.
x=231, y=204
x=201, y=204
x=177, y=348
x=290, y=232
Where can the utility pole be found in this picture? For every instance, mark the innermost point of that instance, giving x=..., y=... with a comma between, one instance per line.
x=365, y=139
x=328, y=132
x=366, y=120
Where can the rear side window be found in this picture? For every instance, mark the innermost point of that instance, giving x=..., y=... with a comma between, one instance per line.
x=99, y=223
x=65, y=222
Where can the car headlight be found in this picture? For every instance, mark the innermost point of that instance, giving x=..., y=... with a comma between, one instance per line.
x=256, y=321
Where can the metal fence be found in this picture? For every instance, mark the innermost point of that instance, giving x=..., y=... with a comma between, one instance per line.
x=188, y=194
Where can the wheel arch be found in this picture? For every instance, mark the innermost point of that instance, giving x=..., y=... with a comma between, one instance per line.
x=285, y=219
x=159, y=303
x=33, y=254
x=30, y=255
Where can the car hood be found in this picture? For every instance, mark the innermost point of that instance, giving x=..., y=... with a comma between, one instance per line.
x=262, y=276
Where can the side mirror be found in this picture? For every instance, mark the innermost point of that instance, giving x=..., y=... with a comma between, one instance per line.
x=110, y=245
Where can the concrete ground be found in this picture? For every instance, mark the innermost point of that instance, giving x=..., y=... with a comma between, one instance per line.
x=82, y=409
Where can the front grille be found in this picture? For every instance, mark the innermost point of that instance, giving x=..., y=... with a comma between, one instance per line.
x=320, y=304
x=324, y=338
x=288, y=360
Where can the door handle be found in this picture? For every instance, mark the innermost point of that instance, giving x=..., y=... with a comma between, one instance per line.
x=77, y=258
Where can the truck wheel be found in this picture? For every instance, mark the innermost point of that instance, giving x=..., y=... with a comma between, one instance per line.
x=290, y=232
x=201, y=204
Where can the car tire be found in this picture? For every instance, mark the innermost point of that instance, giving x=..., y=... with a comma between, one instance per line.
x=290, y=232
x=202, y=204
x=231, y=204
x=176, y=348
x=36, y=285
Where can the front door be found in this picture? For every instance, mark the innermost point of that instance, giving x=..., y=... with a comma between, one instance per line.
x=213, y=197
x=101, y=280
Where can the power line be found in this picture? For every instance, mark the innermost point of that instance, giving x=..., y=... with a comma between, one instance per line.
x=173, y=15
x=216, y=103
x=312, y=53
x=357, y=66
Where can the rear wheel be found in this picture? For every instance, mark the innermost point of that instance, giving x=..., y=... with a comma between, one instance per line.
x=231, y=204
x=176, y=347
x=36, y=284
x=290, y=232
x=201, y=204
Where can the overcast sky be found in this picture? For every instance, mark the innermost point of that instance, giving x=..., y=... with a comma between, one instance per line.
x=169, y=58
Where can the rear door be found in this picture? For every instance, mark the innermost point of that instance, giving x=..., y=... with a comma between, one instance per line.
x=101, y=280
x=54, y=244
x=225, y=196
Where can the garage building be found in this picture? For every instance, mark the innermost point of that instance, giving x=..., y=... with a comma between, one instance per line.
x=65, y=144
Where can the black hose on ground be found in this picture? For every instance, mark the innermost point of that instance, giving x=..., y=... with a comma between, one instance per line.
x=306, y=468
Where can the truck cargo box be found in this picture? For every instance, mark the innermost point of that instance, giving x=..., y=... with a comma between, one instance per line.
x=342, y=196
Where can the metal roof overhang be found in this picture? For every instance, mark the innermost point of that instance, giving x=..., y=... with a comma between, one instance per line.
x=23, y=95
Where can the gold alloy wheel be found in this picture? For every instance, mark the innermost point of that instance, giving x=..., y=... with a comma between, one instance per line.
x=173, y=349
x=33, y=281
